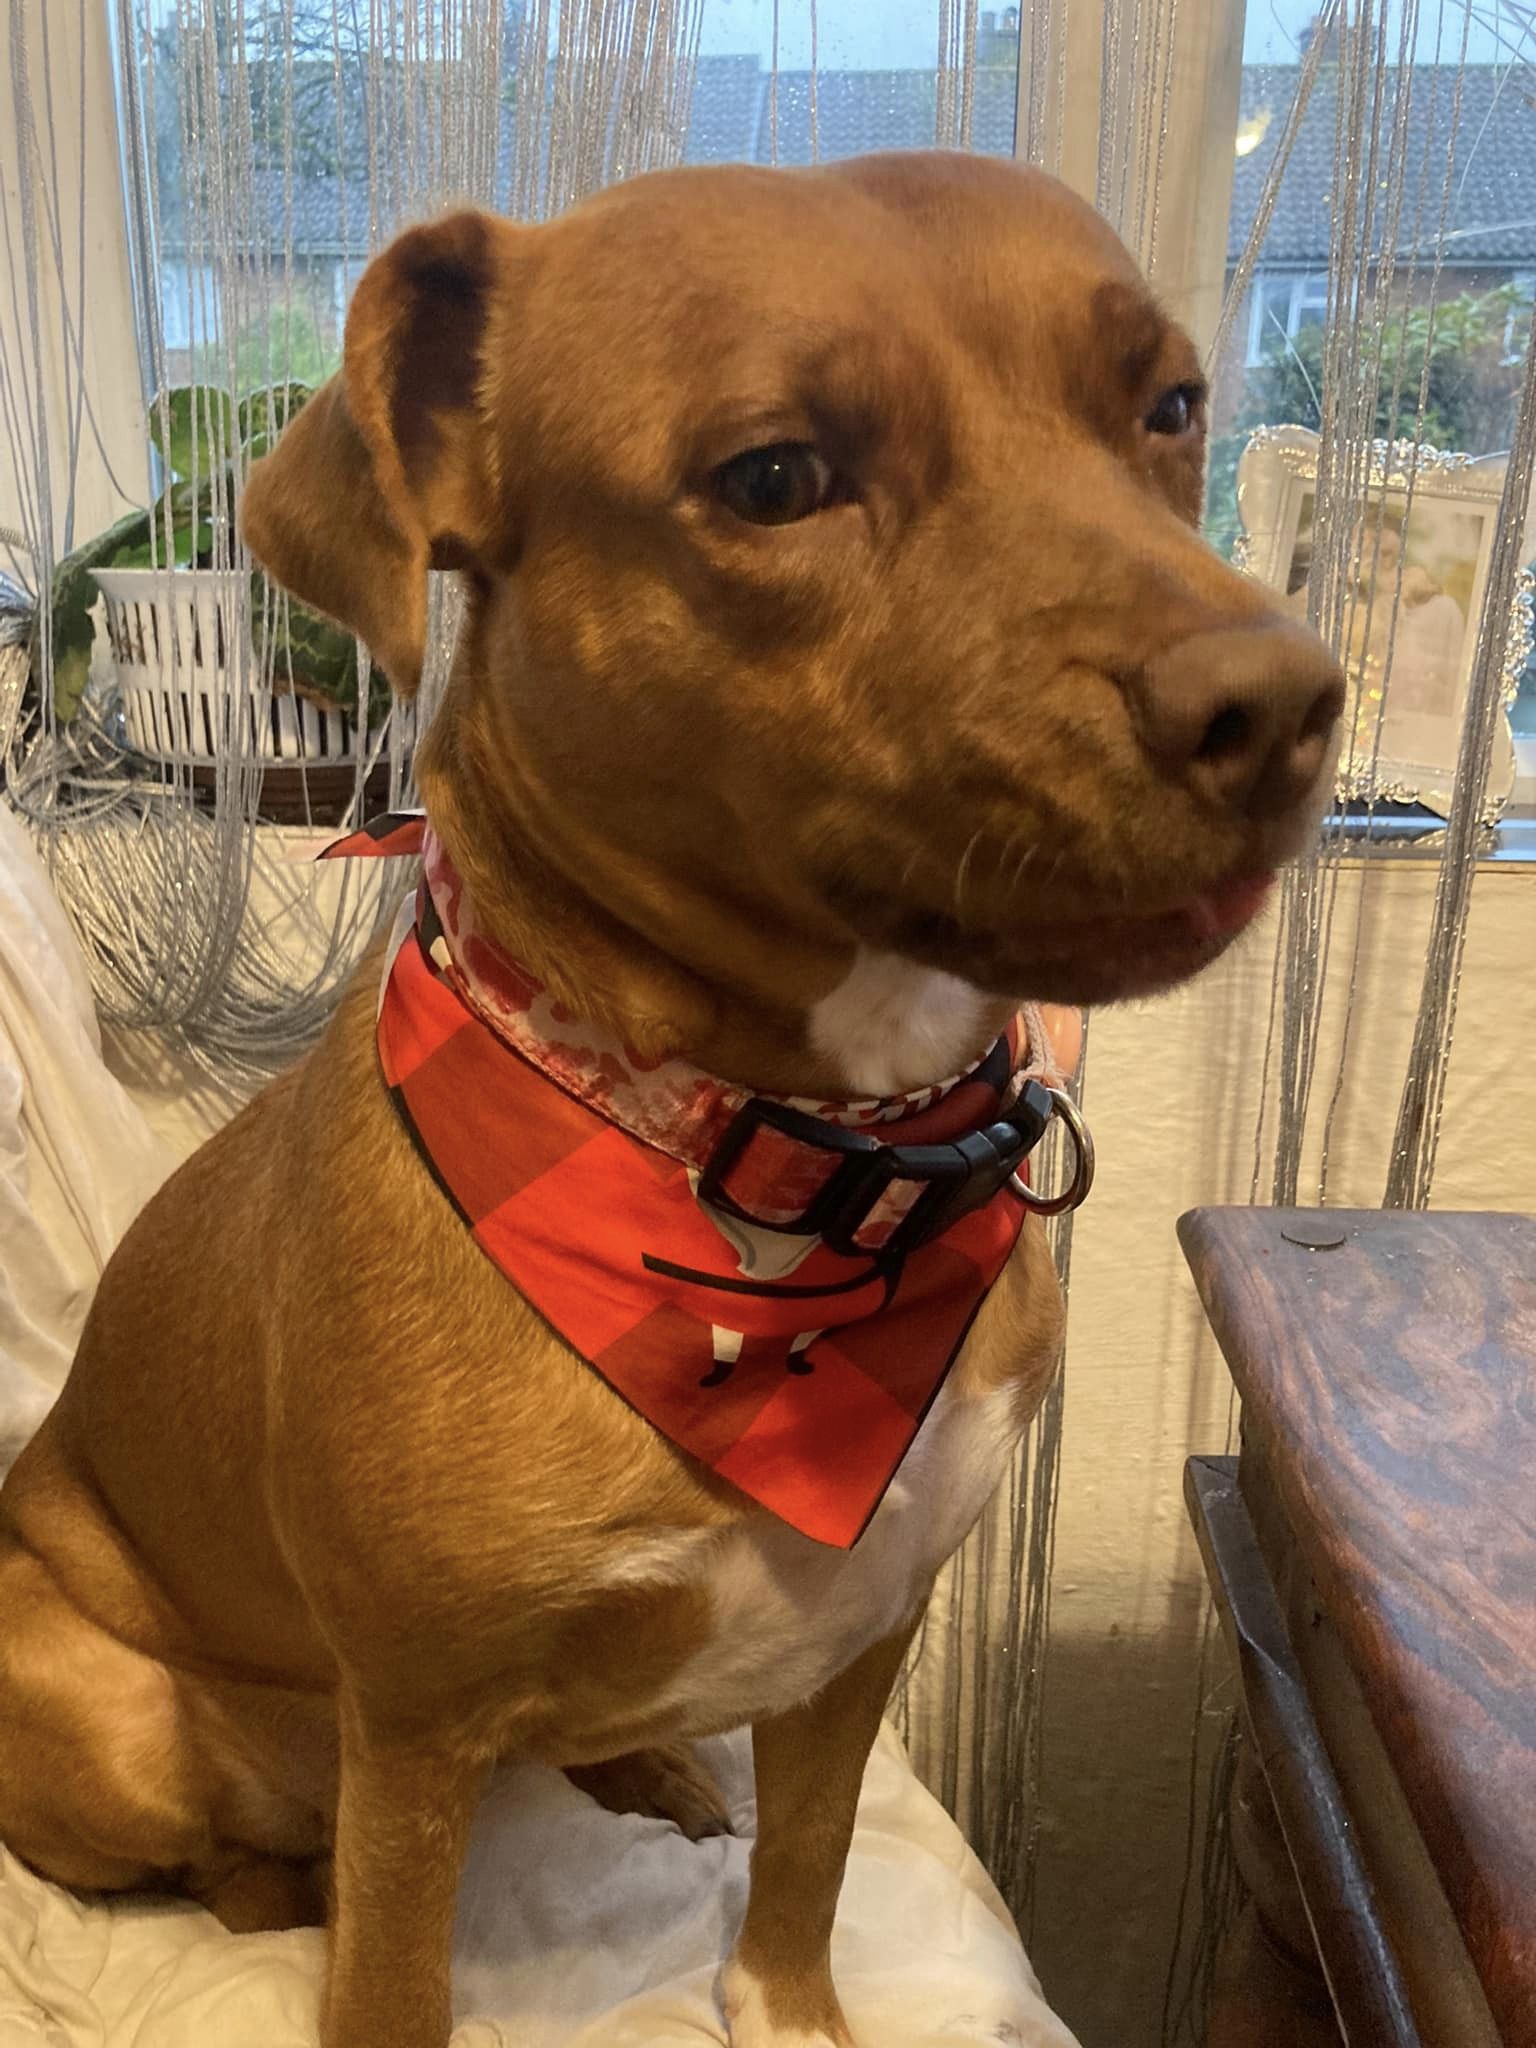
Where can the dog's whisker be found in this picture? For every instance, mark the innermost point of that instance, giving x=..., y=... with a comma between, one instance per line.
x=960, y=873
x=1021, y=866
x=913, y=855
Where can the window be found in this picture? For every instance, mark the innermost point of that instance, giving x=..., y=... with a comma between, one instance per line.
x=344, y=282
x=1283, y=302
x=189, y=305
x=1517, y=319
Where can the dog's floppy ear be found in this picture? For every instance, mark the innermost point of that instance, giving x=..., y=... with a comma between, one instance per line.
x=390, y=469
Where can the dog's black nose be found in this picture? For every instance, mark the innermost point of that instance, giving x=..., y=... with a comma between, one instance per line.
x=1246, y=716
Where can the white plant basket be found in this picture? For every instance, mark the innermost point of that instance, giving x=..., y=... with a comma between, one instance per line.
x=181, y=649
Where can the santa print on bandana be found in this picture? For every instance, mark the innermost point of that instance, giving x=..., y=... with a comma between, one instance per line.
x=798, y=1373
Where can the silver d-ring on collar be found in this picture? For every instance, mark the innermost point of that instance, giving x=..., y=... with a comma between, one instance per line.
x=1075, y=1192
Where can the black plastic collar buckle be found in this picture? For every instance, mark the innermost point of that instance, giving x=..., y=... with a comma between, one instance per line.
x=955, y=1178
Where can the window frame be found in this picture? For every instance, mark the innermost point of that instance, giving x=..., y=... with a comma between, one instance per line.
x=1198, y=122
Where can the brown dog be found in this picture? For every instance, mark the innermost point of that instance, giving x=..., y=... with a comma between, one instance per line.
x=840, y=664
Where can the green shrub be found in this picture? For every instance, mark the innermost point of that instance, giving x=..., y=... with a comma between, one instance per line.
x=1461, y=355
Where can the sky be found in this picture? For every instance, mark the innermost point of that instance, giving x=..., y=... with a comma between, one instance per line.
x=874, y=34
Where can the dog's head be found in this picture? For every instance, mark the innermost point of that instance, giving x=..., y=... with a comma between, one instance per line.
x=833, y=581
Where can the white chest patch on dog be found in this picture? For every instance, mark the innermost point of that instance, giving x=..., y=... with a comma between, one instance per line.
x=891, y=1025
x=790, y=1613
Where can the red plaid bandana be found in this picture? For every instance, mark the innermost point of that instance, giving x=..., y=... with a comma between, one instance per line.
x=649, y=1213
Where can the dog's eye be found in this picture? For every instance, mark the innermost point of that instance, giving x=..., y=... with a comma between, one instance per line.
x=775, y=486
x=1174, y=412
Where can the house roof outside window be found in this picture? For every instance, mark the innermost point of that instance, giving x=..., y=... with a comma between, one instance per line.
x=1491, y=218
x=1490, y=222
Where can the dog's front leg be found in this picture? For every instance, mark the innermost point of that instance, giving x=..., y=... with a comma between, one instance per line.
x=402, y=1824
x=809, y=1765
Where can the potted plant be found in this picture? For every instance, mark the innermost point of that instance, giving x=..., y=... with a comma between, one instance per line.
x=207, y=656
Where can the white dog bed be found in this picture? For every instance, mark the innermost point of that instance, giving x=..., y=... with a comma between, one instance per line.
x=577, y=1929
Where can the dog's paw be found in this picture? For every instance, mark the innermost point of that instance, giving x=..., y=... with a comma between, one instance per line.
x=661, y=1784
x=808, y=2016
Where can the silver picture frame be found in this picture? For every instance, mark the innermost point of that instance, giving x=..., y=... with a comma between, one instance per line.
x=1417, y=562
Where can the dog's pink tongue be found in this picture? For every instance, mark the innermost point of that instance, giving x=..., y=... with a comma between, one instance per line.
x=1227, y=909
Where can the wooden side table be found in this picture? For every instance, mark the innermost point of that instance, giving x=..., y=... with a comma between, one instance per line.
x=1373, y=1553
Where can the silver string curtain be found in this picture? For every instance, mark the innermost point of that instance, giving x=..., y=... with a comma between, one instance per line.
x=268, y=149
x=1390, y=84
x=1407, y=116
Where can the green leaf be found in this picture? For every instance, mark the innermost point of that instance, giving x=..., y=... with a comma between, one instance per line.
x=140, y=557
x=70, y=601
x=71, y=671
x=193, y=426
x=308, y=653
x=191, y=541
x=262, y=415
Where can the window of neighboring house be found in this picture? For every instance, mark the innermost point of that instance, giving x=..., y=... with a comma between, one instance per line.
x=189, y=306
x=344, y=279
x=1281, y=304
x=1517, y=322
